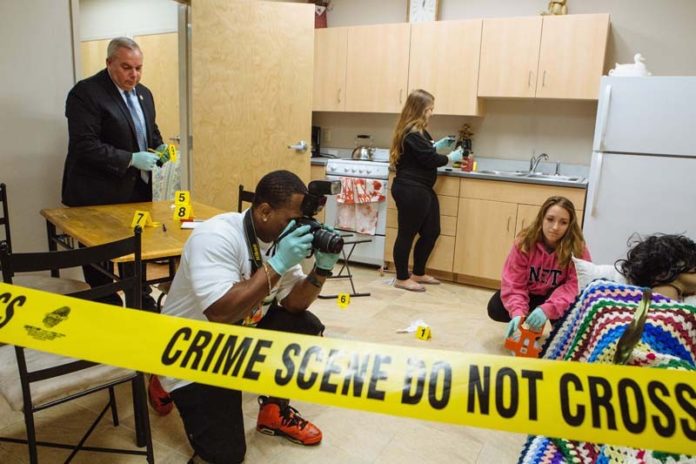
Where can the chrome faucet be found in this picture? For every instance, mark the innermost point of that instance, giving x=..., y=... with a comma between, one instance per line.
x=535, y=160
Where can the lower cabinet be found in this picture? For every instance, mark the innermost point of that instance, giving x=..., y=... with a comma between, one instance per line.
x=485, y=231
x=491, y=215
x=479, y=220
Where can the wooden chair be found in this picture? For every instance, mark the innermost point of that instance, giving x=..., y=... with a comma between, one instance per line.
x=32, y=381
x=244, y=197
x=38, y=282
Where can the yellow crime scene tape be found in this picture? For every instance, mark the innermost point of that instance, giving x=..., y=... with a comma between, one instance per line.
x=629, y=406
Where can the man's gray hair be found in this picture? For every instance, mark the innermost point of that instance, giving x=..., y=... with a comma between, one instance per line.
x=121, y=42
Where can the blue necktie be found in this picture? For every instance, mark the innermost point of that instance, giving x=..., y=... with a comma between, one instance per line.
x=141, y=136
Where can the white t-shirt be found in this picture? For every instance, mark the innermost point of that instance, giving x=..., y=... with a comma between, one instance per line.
x=216, y=257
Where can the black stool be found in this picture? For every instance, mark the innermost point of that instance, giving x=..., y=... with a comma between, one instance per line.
x=346, y=267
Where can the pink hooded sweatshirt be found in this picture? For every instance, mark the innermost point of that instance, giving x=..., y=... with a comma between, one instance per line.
x=538, y=273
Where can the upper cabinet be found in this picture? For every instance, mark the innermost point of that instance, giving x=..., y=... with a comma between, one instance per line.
x=544, y=57
x=377, y=68
x=330, y=51
x=444, y=60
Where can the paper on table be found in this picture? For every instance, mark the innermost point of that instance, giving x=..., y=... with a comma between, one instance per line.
x=190, y=224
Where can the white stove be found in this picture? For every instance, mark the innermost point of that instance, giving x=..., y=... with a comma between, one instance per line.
x=357, y=168
x=373, y=251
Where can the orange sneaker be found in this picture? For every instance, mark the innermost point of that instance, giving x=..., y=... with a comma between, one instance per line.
x=286, y=422
x=159, y=399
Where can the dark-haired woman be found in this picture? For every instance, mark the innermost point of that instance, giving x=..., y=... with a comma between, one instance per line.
x=666, y=263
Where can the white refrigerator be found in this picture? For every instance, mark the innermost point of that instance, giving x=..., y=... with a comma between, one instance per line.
x=643, y=172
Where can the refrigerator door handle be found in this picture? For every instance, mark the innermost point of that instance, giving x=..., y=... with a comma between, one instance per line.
x=606, y=100
x=597, y=177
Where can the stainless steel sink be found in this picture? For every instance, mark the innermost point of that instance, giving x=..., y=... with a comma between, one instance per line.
x=533, y=175
x=503, y=173
x=541, y=175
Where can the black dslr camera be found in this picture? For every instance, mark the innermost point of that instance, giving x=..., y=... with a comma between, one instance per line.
x=324, y=240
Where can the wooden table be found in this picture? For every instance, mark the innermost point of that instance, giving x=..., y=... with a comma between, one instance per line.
x=96, y=225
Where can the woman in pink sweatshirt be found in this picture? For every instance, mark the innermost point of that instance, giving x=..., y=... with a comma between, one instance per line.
x=539, y=280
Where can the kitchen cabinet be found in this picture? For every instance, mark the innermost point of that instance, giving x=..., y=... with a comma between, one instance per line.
x=377, y=68
x=444, y=60
x=330, y=54
x=490, y=215
x=543, y=57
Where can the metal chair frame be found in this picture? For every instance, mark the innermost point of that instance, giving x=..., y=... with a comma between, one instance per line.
x=12, y=263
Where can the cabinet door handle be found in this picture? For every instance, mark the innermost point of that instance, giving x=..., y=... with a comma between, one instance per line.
x=338, y=96
x=529, y=79
x=522, y=225
x=508, y=224
x=543, y=79
x=401, y=95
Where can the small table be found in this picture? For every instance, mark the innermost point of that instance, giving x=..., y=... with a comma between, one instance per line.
x=96, y=225
x=346, y=266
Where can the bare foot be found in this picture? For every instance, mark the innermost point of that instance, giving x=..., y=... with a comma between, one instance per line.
x=425, y=279
x=409, y=285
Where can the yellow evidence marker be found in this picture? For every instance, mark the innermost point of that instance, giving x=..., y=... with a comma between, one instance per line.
x=423, y=332
x=343, y=300
x=142, y=219
x=182, y=198
x=183, y=212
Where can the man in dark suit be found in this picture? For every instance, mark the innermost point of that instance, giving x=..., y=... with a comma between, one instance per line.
x=111, y=124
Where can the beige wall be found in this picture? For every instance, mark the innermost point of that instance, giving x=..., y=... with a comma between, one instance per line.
x=662, y=31
x=36, y=63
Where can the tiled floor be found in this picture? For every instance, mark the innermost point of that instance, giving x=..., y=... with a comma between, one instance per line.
x=458, y=319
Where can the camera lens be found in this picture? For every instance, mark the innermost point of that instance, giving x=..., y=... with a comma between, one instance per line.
x=327, y=241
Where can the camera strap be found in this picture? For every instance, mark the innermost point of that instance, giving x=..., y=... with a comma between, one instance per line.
x=252, y=242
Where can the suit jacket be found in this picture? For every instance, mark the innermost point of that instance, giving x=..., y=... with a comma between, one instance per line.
x=102, y=139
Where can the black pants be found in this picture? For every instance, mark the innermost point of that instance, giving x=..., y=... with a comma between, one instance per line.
x=497, y=311
x=418, y=213
x=95, y=278
x=213, y=416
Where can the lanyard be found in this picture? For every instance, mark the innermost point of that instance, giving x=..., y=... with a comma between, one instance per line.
x=252, y=242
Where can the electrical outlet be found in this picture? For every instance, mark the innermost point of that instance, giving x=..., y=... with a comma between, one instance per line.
x=327, y=135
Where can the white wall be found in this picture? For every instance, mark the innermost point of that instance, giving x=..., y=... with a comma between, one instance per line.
x=36, y=65
x=662, y=31
x=106, y=19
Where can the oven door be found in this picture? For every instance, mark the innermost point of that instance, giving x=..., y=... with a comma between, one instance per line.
x=367, y=253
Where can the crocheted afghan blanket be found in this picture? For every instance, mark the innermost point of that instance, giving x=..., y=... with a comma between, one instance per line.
x=589, y=332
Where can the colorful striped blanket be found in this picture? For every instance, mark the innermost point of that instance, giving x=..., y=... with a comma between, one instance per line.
x=589, y=332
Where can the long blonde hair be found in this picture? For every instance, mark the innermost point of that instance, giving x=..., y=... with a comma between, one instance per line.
x=572, y=243
x=412, y=119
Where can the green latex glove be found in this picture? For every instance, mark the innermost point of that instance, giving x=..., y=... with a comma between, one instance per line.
x=291, y=249
x=144, y=160
x=326, y=261
x=443, y=143
x=456, y=155
x=512, y=327
x=536, y=319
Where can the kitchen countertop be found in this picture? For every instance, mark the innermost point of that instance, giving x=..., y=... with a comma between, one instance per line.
x=453, y=172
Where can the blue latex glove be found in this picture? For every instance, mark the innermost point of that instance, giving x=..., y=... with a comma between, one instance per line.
x=326, y=261
x=456, y=155
x=443, y=143
x=536, y=319
x=291, y=249
x=144, y=160
x=512, y=327
x=163, y=154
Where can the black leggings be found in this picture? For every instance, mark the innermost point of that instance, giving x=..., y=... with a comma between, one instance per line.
x=497, y=311
x=418, y=213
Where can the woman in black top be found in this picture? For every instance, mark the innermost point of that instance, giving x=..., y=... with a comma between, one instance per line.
x=414, y=156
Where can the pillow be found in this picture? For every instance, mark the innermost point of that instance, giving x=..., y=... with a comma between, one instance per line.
x=587, y=272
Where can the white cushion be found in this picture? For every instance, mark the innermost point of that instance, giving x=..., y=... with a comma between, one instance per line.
x=50, y=389
x=587, y=272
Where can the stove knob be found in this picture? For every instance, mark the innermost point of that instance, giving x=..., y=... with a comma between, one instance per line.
x=360, y=171
x=332, y=168
x=353, y=170
x=368, y=171
x=345, y=169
